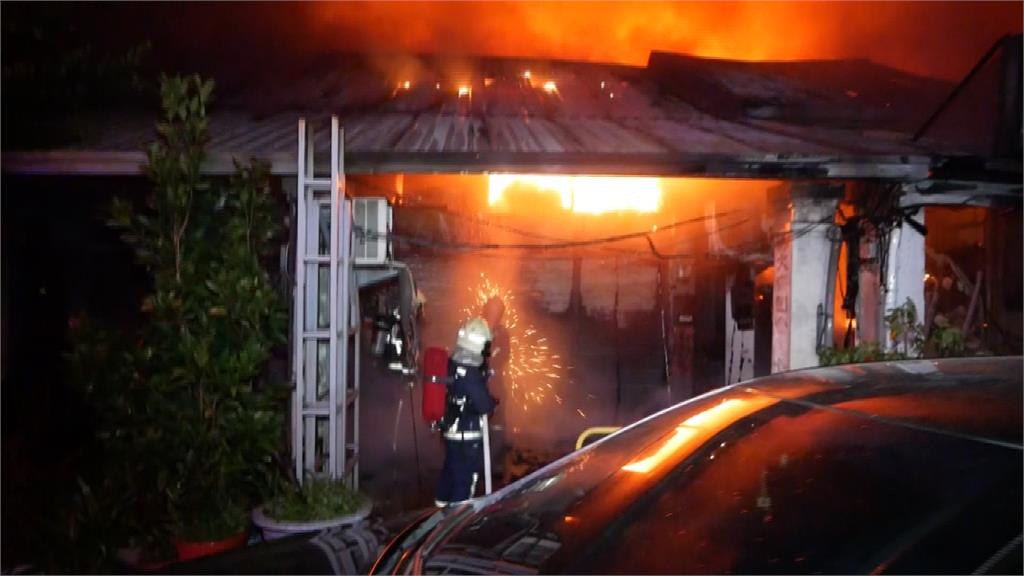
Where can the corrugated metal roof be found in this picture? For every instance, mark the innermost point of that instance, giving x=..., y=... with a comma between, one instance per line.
x=679, y=116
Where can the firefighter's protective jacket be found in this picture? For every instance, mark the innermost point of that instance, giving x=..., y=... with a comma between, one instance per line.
x=468, y=399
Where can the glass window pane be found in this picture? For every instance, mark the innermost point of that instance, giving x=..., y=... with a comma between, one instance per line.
x=323, y=294
x=322, y=374
x=805, y=493
x=324, y=230
x=322, y=451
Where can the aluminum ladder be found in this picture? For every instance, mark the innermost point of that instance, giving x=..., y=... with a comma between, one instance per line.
x=325, y=364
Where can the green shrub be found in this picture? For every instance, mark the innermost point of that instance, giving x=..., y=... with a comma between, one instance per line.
x=190, y=429
x=316, y=499
x=907, y=336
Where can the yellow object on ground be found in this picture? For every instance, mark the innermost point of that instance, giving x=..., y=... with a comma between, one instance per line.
x=602, y=430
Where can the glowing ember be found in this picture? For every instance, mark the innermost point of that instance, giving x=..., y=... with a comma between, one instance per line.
x=406, y=85
x=526, y=75
x=488, y=82
x=550, y=87
x=585, y=194
x=464, y=91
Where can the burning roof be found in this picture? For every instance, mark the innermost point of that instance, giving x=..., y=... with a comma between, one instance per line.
x=679, y=115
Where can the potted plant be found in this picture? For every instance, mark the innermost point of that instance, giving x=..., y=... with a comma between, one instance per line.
x=214, y=423
x=220, y=527
x=317, y=504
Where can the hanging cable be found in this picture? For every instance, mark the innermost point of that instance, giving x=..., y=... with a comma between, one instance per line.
x=365, y=233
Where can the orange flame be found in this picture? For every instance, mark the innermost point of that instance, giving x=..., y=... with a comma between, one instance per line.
x=919, y=35
x=585, y=194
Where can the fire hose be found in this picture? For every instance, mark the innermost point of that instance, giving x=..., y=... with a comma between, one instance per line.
x=485, y=429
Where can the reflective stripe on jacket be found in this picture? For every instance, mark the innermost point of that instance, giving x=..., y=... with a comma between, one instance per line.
x=469, y=390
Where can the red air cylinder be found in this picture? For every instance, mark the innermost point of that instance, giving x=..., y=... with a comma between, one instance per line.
x=435, y=373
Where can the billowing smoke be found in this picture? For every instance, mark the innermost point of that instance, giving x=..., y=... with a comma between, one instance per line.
x=941, y=39
x=938, y=39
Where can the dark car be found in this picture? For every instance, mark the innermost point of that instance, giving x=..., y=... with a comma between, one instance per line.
x=903, y=467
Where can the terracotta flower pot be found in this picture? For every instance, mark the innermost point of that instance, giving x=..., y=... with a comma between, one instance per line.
x=190, y=550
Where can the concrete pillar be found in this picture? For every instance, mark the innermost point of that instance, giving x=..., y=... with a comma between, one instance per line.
x=803, y=216
x=904, y=277
x=870, y=303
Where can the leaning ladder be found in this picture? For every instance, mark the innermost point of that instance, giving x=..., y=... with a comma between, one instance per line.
x=325, y=398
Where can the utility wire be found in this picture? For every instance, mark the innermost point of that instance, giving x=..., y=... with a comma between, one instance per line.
x=681, y=256
x=795, y=233
x=566, y=244
x=493, y=249
x=473, y=246
x=543, y=247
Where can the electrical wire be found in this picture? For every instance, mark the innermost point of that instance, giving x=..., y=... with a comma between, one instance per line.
x=524, y=233
x=795, y=233
x=680, y=256
x=561, y=244
x=364, y=233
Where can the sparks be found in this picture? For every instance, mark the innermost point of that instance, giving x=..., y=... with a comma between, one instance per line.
x=528, y=355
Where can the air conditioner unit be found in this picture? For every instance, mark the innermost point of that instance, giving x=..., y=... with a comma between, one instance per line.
x=372, y=220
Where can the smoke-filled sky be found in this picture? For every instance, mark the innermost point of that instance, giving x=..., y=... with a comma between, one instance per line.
x=933, y=38
x=941, y=39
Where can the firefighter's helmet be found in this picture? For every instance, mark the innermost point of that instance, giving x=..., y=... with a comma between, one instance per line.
x=474, y=334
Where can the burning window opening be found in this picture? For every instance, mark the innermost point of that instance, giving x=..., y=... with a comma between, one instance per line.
x=585, y=194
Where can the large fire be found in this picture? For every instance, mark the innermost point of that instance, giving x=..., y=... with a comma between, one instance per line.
x=939, y=39
x=584, y=194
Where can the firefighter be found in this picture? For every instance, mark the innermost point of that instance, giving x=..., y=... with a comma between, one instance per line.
x=468, y=399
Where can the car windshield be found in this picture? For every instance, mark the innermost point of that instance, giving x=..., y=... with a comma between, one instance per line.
x=802, y=486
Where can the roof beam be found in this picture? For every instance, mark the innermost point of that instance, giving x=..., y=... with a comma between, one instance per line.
x=900, y=168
